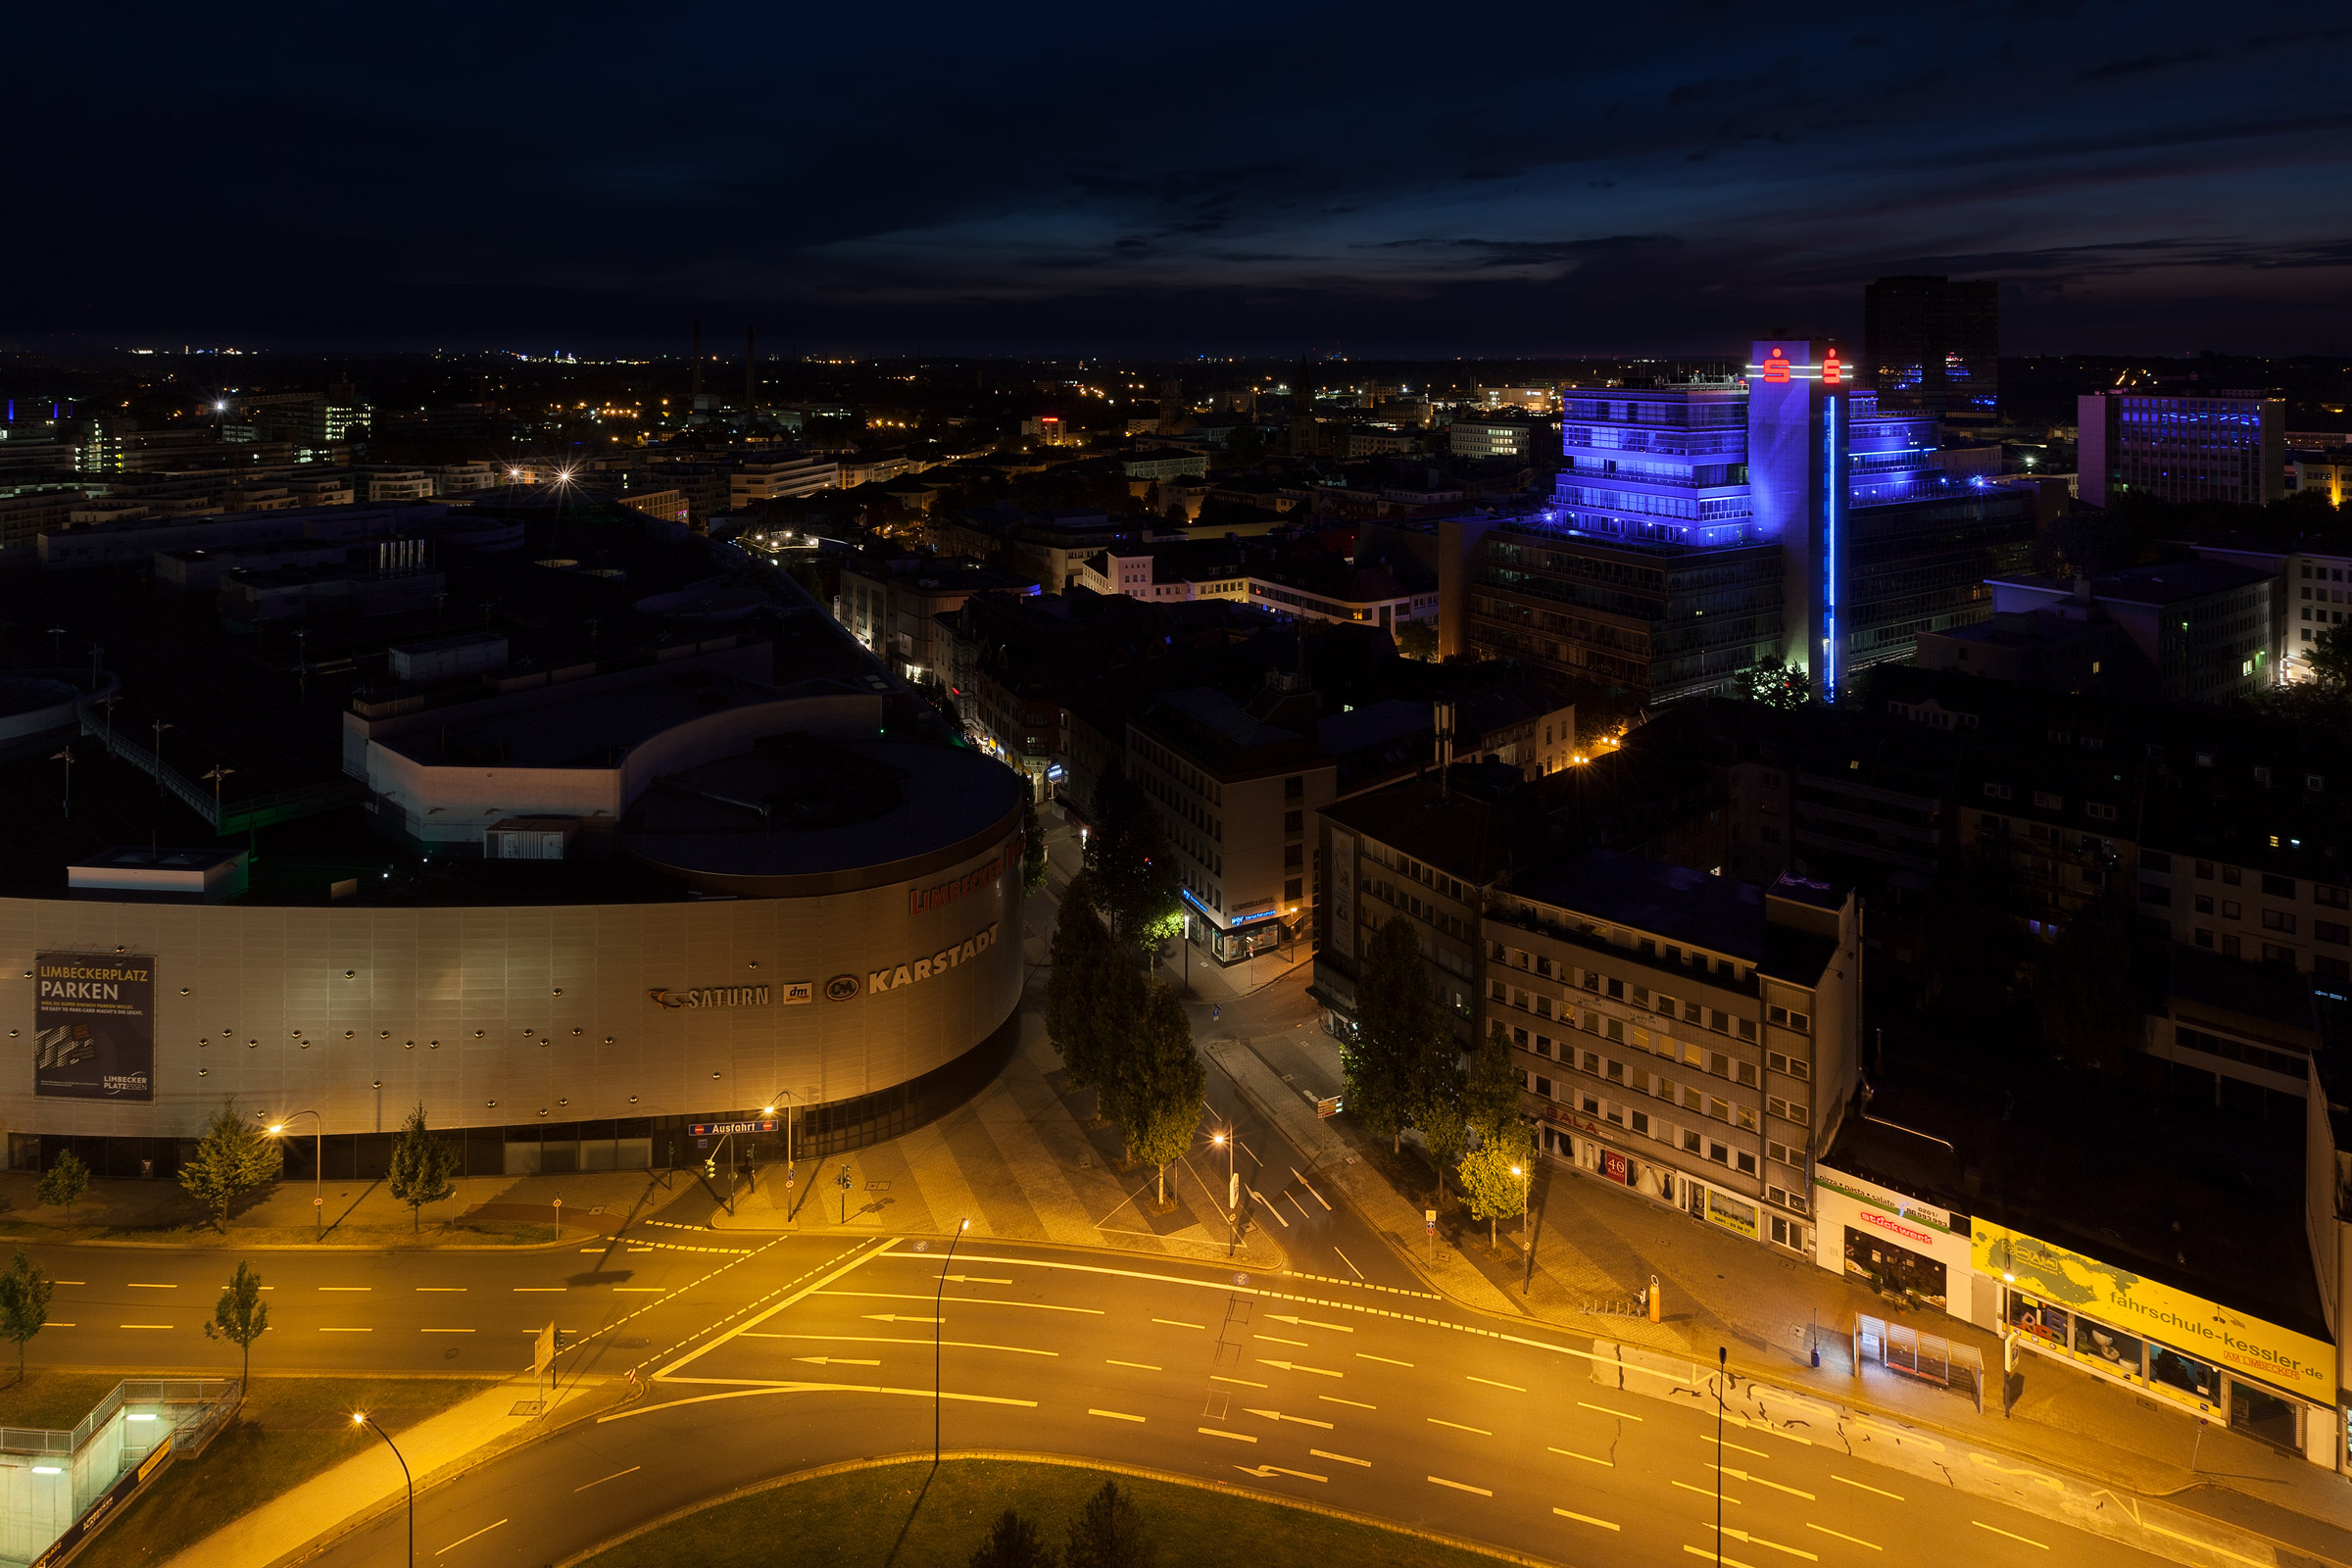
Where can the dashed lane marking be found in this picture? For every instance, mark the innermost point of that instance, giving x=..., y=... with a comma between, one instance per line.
x=347, y=1287
x=1610, y=1464
x=1867, y=1487
x=445, y=1289
x=445, y=1331
x=1220, y=1432
x=1140, y=1366
x=1492, y=1383
x=1709, y=1436
x=1461, y=1486
x=2011, y=1534
x=1459, y=1427
x=969, y=1300
x=1172, y=1323
x=1842, y=1536
x=1704, y=1491
x=886, y=1339
x=462, y=1540
x=1114, y=1415
x=1605, y=1411
x=1333, y=1399
x=1389, y=1360
x=1276, y=1339
x=1741, y=1475
x=142, y=1325
x=347, y=1331
x=1583, y=1518
x=615, y=1475
x=136, y=1286
x=1339, y=1457
x=1219, y=1377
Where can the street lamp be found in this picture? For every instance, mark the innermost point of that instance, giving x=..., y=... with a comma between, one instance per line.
x=317, y=1165
x=359, y=1418
x=939, y=1311
x=66, y=757
x=1233, y=1209
x=1723, y=1359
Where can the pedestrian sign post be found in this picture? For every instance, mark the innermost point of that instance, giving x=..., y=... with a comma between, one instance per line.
x=843, y=1182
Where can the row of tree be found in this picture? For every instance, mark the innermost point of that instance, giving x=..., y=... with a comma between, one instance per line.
x=1122, y=1033
x=233, y=1159
x=1107, y=1533
x=239, y=1317
x=1404, y=1068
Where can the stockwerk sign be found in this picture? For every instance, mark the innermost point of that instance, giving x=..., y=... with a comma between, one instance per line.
x=2140, y=1306
x=938, y=963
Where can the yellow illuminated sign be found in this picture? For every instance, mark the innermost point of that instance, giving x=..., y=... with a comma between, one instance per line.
x=2131, y=1302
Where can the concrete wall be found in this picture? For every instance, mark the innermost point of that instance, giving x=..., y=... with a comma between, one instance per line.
x=347, y=1000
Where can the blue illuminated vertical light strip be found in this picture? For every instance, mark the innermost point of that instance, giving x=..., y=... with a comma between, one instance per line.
x=1833, y=501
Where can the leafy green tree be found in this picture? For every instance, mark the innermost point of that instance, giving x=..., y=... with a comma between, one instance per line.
x=1393, y=1018
x=1110, y=1532
x=420, y=1167
x=1033, y=844
x=1158, y=1101
x=1013, y=1542
x=64, y=1183
x=1128, y=856
x=1086, y=969
x=24, y=1303
x=1775, y=683
x=2331, y=659
x=1418, y=639
x=1497, y=1173
x=1491, y=1097
x=232, y=1159
x=240, y=1316
x=1438, y=1101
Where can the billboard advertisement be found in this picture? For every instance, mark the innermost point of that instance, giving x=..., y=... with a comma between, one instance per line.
x=2067, y=1283
x=93, y=1026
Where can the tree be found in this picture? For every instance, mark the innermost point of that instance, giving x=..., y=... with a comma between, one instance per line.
x=232, y=1159
x=240, y=1316
x=1436, y=1104
x=1085, y=967
x=1134, y=870
x=1491, y=1097
x=1013, y=1542
x=24, y=1303
x=64, y=1183
x=1033, y=844
x=420, y=1167
x=1418, y=639
x=1393, y=1016
x=1775, y=683
x=1495, y=1175
x=1157, y=1100
x=1244, y=446
x=1108, y=1533
x=2331, y=659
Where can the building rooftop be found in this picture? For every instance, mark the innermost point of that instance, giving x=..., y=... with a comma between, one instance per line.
x=2163, y=583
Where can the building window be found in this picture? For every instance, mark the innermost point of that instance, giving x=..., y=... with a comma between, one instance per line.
x=2332, y=932
x=2273, y=954
x=1690, y=1141
x=1747, y=1163
x=1543, y=1087
x=1295, y=889
x=2275, y=921
x=2278, y=887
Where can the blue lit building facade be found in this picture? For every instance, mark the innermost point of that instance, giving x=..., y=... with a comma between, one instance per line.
x=1700, y=526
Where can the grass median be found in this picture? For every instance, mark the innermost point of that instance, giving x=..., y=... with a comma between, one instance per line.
x=289, y=1430
x=868, y=1518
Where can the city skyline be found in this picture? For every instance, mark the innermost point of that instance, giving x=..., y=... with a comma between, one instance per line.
x=953, y=187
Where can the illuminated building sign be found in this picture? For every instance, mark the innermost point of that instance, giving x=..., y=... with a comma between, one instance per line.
x=932, y=966
x=1831, y=369
x=1229, y=922
x=1776, y=368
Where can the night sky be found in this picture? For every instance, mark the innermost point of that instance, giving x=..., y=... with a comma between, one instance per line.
x=1429, y=179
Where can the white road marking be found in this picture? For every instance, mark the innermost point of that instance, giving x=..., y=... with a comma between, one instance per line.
x=347, y=1287
x=136, y=1286
x=451, y=1290
x=1140, y=1366
x=615, y=1475
x=1289, y=1366
x=1333, y=1399
x=1340, y=1457
x=1350, y=1262
x=1310, y=1190
x=445, y=1331
x=1459, y=1427
x=1583, y=1519
x=1588, y=1459
x=1605, y=1411
x=462, y=1540
x=1308, y=1323
x=1304, y=1421
x=1266, y=1472
x=1709, y=1436
x=1866, y=1487
x=1367, y=1355
x=1492, y=1383
x=1114, y=1415
x=1172, y=1323
x=1220, y=1432
x=2012, y=1535
x=1841, y=1536
x=1461, y=1486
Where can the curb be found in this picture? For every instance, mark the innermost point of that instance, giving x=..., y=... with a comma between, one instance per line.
x=1066, y=1461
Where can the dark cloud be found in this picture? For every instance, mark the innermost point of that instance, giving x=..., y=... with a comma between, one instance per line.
x=932, y=176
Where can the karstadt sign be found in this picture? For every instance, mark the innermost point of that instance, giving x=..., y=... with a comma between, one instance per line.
x=933, y=965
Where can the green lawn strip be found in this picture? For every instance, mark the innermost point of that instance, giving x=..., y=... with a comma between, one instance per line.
x=53, y=1401
x=276, y=1442
x=855, y=1521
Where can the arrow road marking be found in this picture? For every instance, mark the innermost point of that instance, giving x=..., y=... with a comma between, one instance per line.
x=975, y=1279
x=1310, y=1323
x=1260, y=1198
x=1287, y=1366
x=835, y=1360
x=1277, y=1415
x=900, y=1317
x=1773, y=1546
x=1267, y=1472
x=1310, y=1190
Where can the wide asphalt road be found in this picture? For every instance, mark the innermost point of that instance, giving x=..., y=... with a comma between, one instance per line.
x=1389, y=1406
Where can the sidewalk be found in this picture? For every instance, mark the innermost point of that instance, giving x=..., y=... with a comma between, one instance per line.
x=1022, y=1161
x=352, y=1491
x=488, y=1211
x=1597, y=1247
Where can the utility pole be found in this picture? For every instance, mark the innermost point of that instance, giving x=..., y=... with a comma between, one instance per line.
x=66, y=757
x=158, y=726
x=1723, y=1359
x=939, y=1313
x=217, y=775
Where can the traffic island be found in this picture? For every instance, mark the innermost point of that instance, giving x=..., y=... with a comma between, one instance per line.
x=901, y=1510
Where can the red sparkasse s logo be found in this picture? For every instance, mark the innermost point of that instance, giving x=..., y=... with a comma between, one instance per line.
x=1776, y=368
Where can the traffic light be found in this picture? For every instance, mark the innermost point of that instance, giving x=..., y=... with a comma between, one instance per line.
x=710, y=1166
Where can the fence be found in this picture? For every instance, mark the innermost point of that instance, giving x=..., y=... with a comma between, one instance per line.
x=1929, y=1357
x=47, y=1510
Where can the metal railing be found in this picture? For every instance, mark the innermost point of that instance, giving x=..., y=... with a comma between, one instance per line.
x=225, y=816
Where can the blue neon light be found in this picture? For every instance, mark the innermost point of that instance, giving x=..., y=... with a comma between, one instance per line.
x=1833, y=501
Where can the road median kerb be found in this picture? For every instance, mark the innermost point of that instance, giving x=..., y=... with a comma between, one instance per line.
x=1067, y=1461
x=601, y=1393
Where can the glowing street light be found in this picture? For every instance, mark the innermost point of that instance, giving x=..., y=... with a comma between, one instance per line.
x=359, y=1418
x=319, y=1167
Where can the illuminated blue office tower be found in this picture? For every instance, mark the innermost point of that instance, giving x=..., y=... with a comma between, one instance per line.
x=1798, y=431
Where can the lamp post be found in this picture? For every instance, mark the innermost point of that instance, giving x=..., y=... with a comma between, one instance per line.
x=938, y=1312
x=1233, y=1211
x=360, y=1419
x=1723, y=1359
x=317, y=1165
x=66, y=757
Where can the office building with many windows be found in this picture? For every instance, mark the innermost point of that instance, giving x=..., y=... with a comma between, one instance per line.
x=2220, y=445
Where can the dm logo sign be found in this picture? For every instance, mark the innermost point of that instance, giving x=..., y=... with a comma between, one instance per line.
x=843, y=986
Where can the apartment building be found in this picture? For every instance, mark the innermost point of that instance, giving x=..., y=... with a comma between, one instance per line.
x=1693, y=1039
